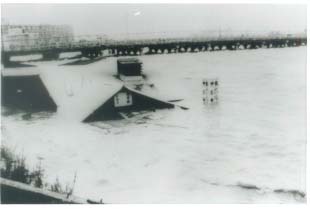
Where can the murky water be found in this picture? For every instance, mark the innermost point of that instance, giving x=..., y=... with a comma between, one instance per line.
x=249, y=148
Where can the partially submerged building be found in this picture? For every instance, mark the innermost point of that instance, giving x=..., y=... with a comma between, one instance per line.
x=125, y=100
x=120, y=97
x=25, y=90
x=129, y=70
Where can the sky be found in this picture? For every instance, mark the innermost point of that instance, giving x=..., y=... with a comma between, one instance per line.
x=120, y=19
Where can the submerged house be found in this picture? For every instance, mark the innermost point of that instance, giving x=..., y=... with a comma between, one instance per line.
x=125, y=100
x=119, y=98
x=25, y=90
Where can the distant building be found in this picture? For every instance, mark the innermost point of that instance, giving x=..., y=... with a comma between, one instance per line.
x=30, y=37
x=210, y=91
x=18, y=39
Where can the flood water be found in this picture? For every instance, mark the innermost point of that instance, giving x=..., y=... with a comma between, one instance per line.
x=248, y=148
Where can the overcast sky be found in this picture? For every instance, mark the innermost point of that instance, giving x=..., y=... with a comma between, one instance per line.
x=137, y=18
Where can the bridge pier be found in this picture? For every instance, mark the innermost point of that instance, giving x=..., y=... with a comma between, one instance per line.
x=195, y=49
x=252, y=46
x=91, y=53
x=172, y=50
x=216, y=48
x=151, y=51
x=114, y=51
x=50, y=55
x=5, y=58
x=231, y=47
x=241, y=46
x=138, y=52
x=119, y=52
x=290, y=44
x=222, y=47
x=181, y=49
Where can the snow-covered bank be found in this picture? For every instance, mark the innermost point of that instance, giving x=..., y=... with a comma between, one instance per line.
x=256, y=135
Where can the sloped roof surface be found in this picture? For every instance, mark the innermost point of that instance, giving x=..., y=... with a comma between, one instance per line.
x=20, y=72
x=80, y=89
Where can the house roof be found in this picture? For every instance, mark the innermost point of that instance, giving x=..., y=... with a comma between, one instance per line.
x=108, y=88
x=78, y=91
x=20, y=72
x=145, y=94
x=131, y=90
x=155, y=97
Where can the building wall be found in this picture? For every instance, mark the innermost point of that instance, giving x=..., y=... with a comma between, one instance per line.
x=123, y=99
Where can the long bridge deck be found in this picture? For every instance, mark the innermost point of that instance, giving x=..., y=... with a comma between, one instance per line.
x=158, y=46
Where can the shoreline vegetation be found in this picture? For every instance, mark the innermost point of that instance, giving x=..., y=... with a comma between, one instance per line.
x=14, y=167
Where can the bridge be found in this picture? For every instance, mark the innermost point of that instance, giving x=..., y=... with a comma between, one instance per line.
x=93, y=49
